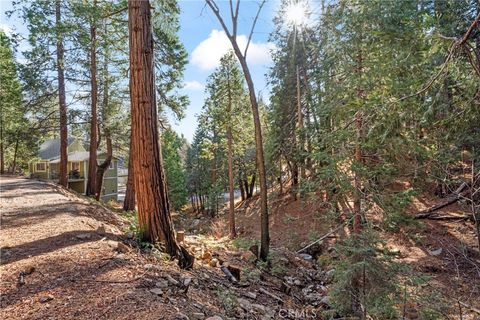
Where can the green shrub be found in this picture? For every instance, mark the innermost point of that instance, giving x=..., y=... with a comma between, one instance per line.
x=243, y=243
x=364, y=278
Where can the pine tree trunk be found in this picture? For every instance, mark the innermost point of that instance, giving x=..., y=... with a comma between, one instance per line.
x=242, y=189
x=150, y=186
x=202, y=202
x=63, y=174
x=357, y=199
x=474, y=203
x=300, y=126
x=199, y=203
x=357, y=202
x=252, y=185
x=247, y=189
x=294, y=173
x=309, y=113
x=280, y=175
x=14, y=162
x=101, y=168
x=2, y=159
x=92, y=161
x=233, y=232
x=129, y=202
x=265, y=234
x=192, y=203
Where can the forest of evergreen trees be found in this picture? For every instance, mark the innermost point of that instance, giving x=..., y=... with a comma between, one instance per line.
x=364, y=94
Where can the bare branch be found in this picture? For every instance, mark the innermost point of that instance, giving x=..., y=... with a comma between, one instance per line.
x=115, y=12
x=253, y=27
x=453, y=48
x=235, y=17
x=471, y=59
x=469, y=31
x=434, y=78
x=216, y=12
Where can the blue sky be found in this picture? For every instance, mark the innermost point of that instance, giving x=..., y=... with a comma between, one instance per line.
x=205, y=42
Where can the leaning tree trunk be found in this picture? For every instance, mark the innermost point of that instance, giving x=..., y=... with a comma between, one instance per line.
x=150, y=184
x=101, y=168
x=92, y=161
x=63, y=175
x=265, y=235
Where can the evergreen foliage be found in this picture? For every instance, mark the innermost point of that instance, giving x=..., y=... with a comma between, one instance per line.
x=172, y=145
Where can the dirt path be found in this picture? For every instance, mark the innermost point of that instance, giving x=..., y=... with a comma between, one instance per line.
x=65, y=248
x=65, y=257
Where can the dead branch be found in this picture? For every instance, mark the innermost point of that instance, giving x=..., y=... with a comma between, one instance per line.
x=322, y=238
x=453, y=48
x=456, y=196
x=108, y=281
x=271, y=295
x=446, y=217
x=253, y=27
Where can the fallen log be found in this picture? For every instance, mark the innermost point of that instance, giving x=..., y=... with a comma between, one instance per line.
x=452, y=217
x=324, y=236
x=458, y=194
x=271, y=295
x=321, y=239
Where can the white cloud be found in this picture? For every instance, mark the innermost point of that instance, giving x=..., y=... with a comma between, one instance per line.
x=208, y=53
x=193, y=85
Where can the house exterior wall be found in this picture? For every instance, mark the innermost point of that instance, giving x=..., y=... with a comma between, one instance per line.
x=110, y=182
x=40, y=174
x=110, y=188
x=54, y=170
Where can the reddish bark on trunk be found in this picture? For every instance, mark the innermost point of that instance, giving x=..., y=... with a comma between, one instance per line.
x=150, y=184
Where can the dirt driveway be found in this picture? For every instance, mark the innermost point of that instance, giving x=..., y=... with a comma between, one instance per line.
x=60, y=258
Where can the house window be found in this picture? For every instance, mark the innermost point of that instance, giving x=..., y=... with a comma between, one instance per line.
x=76, y=166
x=112, y=165
x=41, y=167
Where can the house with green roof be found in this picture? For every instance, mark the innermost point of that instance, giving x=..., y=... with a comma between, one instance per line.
x=47, y=167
